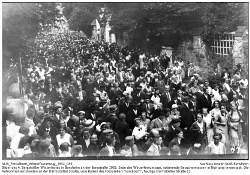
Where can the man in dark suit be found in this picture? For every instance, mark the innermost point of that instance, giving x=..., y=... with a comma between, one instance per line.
x=136, y=70
x=204, y=101
x=138, y=95
x=166, y=97
x=94, y=148
x=126, y=106
x=84, y=141
x=122, y=129
x=174, y=101
x=47, y=128
x=187, y=117
x=232, y=92
x=132, y=114
x=148, y=107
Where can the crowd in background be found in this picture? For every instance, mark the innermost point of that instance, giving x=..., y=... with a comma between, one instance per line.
x=91, y=98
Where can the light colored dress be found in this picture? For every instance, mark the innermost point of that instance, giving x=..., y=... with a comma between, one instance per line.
x=210, y=132
x=235, y=129
x=182, y=74
x=216, y=149
x=222, y=129
x=215, y=112
x=65, y=138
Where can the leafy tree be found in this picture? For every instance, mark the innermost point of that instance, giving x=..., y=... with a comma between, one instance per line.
x=223, y=17
x=21, y=22
x=81, y=15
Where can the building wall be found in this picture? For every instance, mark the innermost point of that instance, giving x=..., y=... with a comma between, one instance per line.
x=194, y=51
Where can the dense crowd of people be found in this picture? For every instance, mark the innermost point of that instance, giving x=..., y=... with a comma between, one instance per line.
x=91, y=98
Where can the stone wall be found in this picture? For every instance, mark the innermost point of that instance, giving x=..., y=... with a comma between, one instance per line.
x=194, y=51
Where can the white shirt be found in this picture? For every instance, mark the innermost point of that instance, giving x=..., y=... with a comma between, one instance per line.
x=111, y=150
x=12, y=129
x=87, y=142
x=139, y=132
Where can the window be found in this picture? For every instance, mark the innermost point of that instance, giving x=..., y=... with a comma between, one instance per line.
x=223, y=44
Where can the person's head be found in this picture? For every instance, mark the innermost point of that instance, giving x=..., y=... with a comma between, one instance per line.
x=24, y=141
x=179, y=133
x=47, y=137
x=185, y=99
x=76, y=150
x=42, y=146
x=24, y=130
x=158, y=140
x=164, y=151
x=235, y=97
x=175, y=150
x=153, y=133
x=206, y=83
x=204, y=111
x=143, y=115
x=216, y=104
x=233, y=107
x=217, y=138
x=223, y=108
x=157, y=92
x=93, y=139
x=137, y=122
x=201, y=87
x=103, y=126
x=64, y=147
x=62, y=130
x=62, y=123
x=199, y=118
x=81, y=115
x=206, y=90
x=193, y=98
x=108, y=125
x=111, y=140
x=59, y=110
x=122, y=117
x=174, y=108
x=30, y=113
x=86, y=133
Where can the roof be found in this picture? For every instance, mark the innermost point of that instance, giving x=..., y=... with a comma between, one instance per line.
x=240, y=31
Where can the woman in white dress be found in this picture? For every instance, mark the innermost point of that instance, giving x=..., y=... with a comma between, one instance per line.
x=235, y=129
x=182, y=66
x=216, y=109
x=221, y=125
x=207, y=118
x=64, y=137
x=216, y=147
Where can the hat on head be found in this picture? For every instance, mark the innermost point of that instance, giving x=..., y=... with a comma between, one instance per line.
x=129, y=138
x=113, y=108
x=81, y=112
x=57, y=105
x=137, y=119
x=89, y=124
x=107, y=131
x=174, y=106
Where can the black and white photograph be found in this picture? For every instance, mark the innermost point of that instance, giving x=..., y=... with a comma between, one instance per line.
x=125, y=81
